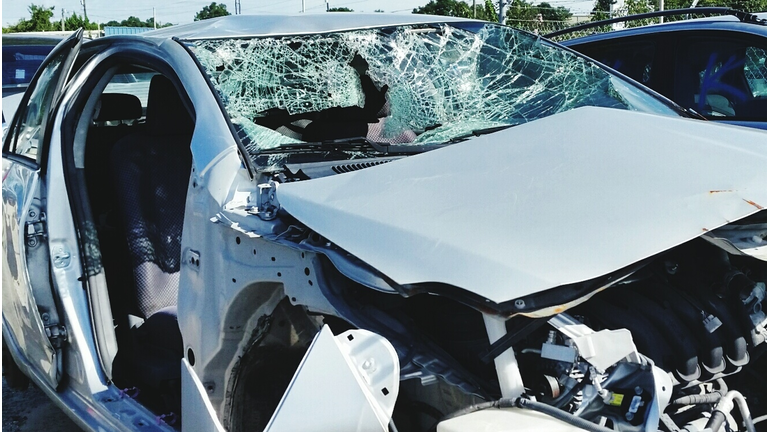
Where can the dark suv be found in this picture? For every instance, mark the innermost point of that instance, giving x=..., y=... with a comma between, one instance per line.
x=715, y=66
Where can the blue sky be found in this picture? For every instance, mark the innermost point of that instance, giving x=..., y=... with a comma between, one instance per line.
x=183, y=11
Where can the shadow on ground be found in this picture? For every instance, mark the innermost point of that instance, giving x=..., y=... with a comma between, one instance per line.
x=30, y=410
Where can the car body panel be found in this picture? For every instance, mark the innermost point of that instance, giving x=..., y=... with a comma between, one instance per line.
x=526, y=226
x=39, y=326
x=499, y=421
x=20, y=310
x=198, y=413
x=364, y=363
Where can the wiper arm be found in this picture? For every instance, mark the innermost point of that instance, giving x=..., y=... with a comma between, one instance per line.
x=350, y=144
x=345, y=144
x=483, y=131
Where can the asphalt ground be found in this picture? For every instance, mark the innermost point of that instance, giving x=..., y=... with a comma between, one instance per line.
x=30, y=410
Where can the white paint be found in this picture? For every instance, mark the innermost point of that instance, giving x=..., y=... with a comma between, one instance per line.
x=560, y=200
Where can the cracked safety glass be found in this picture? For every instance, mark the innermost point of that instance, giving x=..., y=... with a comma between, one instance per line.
x=402, y=85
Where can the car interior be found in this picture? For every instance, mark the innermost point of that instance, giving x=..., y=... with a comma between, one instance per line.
x=137, y=167
x=711, y=77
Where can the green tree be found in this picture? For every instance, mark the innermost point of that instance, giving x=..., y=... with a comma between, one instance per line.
x=455, y=8
x=213, y=10
x=602, y=9
x=339, y=9
x=551, y=13
x=40, y=20
x=486, y=11
x=520, y=10
x=743, y=5
x=132, y=21
x=75, y=21
x=542, y=18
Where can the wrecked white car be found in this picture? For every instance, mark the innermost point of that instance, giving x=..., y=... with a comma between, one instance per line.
x=377, y=222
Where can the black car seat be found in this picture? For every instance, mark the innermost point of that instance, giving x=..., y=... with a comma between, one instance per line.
x=116, y=116
x=151, y=170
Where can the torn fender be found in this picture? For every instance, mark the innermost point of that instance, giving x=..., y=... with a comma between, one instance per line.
x=348, y=382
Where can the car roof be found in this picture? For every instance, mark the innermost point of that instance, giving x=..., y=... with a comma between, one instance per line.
x=31, y=39
x=719, y=23
x=723, y=19
x=239, y=26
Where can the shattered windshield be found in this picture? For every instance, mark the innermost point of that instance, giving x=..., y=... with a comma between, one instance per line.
x=407, y=85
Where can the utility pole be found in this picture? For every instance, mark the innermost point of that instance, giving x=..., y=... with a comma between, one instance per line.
x=85, y=14
x=238, y=7
x=502, y=11
x=474, y=10
x=661, y=8
x=63, y=11
x=302, y=6
x=154, y=18
x=327, y=6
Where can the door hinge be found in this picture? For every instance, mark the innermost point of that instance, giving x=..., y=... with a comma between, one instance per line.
x=266, y=205
x=34, y=229
x=57, y=334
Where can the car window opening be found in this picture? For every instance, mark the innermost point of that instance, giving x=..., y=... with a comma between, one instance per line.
x=138, y=164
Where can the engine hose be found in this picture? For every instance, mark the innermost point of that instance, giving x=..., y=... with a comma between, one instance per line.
x=725, y=405
x=561, y=415
x=708, y=398
x=697, y=399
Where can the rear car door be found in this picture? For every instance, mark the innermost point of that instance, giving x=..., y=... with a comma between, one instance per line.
x=32, y=325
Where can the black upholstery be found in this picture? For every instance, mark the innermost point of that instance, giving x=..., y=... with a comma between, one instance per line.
x=118, y=107
x=116, y=116
x=151, y=170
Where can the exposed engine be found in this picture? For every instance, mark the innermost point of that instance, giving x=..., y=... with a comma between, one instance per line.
x=675, y=343
x=696, y=315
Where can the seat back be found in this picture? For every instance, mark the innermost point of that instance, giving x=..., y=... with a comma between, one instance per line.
x=151, y=171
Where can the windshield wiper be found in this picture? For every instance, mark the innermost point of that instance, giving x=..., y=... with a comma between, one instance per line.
x=360, y=144
x=478, y=132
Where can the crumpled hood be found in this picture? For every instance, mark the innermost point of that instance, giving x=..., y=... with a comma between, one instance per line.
x=560, y=200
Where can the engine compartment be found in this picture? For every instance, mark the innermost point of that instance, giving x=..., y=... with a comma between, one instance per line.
x=696, y=315
x=675, y=342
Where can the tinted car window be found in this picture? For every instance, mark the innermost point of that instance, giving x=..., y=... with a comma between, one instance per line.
x=28, y=133
x=721, y=77
x=20, y=62
x=634, y=58
x=135, y=83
